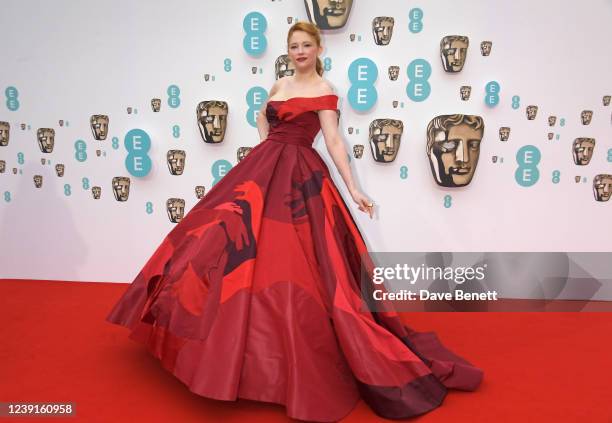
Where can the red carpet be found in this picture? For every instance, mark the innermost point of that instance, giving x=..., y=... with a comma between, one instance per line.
x=56, y=347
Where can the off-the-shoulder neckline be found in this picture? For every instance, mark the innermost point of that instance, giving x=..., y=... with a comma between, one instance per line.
x=293, y=98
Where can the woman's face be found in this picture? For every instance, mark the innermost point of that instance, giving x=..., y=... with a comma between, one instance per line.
x=303, y=50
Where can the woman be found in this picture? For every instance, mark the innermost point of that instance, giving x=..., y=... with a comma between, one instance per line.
x=257, y=292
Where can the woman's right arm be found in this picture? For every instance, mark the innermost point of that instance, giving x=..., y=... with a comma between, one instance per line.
x=262, y=122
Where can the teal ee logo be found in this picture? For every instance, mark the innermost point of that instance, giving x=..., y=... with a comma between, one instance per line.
x=416, y=20
x=492, y=94
x=254, y=42
x=527, y=173
x=419, y=71
x=12, y=101
x=255, y=98
x=362, y=74
x=138, y=143
x=173, y=96
x=219, y=170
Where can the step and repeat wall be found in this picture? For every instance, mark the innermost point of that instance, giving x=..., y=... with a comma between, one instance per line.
x=474, y=126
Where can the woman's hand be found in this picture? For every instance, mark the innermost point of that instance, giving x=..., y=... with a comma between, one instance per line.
x=365, y=204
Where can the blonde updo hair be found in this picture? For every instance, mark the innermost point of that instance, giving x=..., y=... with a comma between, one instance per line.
x=313, y=30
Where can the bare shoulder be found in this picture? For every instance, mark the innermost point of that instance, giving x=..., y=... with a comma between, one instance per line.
x=276, y=87
x=325, y=87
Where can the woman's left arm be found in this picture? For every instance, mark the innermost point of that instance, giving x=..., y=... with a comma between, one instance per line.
x=336, y=149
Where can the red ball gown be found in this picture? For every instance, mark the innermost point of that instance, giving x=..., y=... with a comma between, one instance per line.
x=257, y=293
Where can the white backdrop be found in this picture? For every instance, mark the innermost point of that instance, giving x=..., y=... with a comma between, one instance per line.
x=71, y=59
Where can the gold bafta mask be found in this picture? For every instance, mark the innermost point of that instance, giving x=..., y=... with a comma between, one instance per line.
x=453, y=148
x=212, y=120
x=43, y=161
x=283, y=66
x=200, y=191
x=206, y=77
x=393, y=72
x=289, y=20
x=358, y=151
x=5, y=130
x=577, y=178
x=328, y=14
x=96, y=191
x=385, y=139
x=23, y=126
x=582, y=149
x=606, y=100
x=98, y=153
x=59, y=170
x=465, y=92
x=61, y=122
x=350, y=130
x=395, y=103
x=2, y=166
x=38, y=180
x=504, y=133
x=254, y=70
x=532, y=112
x=176, y=161
x=129, y=110
x=242, y=152
x=602, y=187
x=494, y=159
x=552, y=120
x=586, y=116
x=121, y=188
x=99, y=126
x=352, y=37
x=382, y=28
x=46, y=139
x=485, y=48
x=14, y=171
x=453, y=50
x=176, y=209
x=156, y=104
x=550, y=136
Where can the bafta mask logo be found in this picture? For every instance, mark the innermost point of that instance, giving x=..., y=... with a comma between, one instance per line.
x=602, y=187
x=328, y=14
x=485, y=48
x=121, y=188
x=5, y=129
x=43, y=161
x=283, y=66
x=176, y=209
x=382, y=29
x=200, y=191
x=176, y=161
x=465, y=92
x=156, y=104
x=96, y=192
x=46, y=139
x=212, y=120
x=289, y=20
x=129, y=110
x=99, y=126
x=586, y=116
x=61, y=122
x=14, y=171
x=532, y=112
x=552, y=120
x=385, y=138
x=393, y=72
x=98, y=153
x=242, y=152
x=550, y=136
x=59, y=170
x=453, y=50
x=504, y=133
x=453, y=148
x=206, y=77
x=38, y=180
x=350, y=130
x=358, y=151
x=606, y=100
x=352, y=37
x=2, y=166
x=582, y=149
x=23, y=126
x=577, y=178
x=494, y=159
